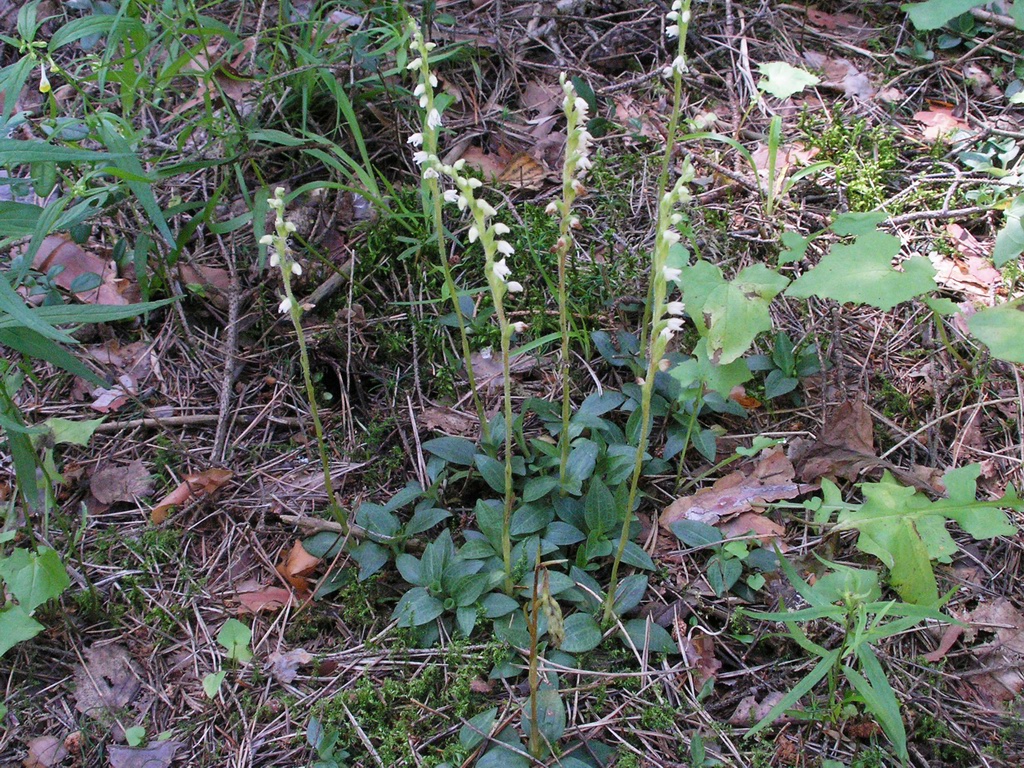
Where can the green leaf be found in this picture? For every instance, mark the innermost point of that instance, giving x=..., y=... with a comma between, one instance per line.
x=454, y=450
x=16, y=626
x=860, y=223
x=1001, y=329
x=695, y=534
x=416, y=608
x=235, y=637
x=645, y=633
x=599, y=508
x=68, y=432
x=717, y=377
x=492, y=471
x=135, y=735
x=212, y=683
x=782, y=80
x=582, y=460
x=34, y=577
x=635, y=556
x=797, y=692
x=862, y=273
x=881, y=702
x=1010, y=239
x=795, y=247
x=18, y=219
x=582, y=634
x=629, y=593
x=477, y=728
x=933, y=14
x=550, y=715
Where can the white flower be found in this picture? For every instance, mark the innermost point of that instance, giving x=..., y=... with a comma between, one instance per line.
x=672, y=15
x=433, y=80
x=501, y=229
x=672, y=31
x=684, y=17
x=671, y=274
x=285, y=306
x=267, y=240
x=676, y=219
x=424, y=101
x=289, y=227
x=459, y=164
x=419, y=90
x=275, y=259
x=450, y=195
x=670, y=236
x=430, y=173
x=44, y=81
x=665, y=334
x=434, y=119
x=520, y=326
x=504, y=247
x=485, y=208
x=280, y=192
x=429, y=47
x=415, y=63
x=415, y=139
x=513, y=287
x=474, y=233
x=296, y=268
x=501, y=269
x=581, y=106
x=675, y=307
x=677, y=5
x=474, y=183
x=420, y=157
x=678, y=65
x=552, y=208
x=675, y=324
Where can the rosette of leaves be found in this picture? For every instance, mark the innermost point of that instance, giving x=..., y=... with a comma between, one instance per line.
x=446, y=586
x=725, y=567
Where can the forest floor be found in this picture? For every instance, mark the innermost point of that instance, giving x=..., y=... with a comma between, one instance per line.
x=191, y=502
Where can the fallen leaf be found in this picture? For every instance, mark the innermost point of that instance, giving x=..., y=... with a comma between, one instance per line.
x=214, y=282
x=488, y=370
x=159, y=754
x=449, y=421
x=285, y=666
x=108, y=681
x=44, y=752
x=948, y=640
x=850, y=28
x=489, y=164
x=207, y=482
x=972, y=274
x=842, y=75
x=75, y=266
x=297, y=565
x=698, y=653
x=219, y=78
x=750, y=710
x=262, y=599
x=523, y=172
x=939, y=122
x=111, y=483
x=1004, y=656
x=767, y=531
x=635, y=119
x=771, y=480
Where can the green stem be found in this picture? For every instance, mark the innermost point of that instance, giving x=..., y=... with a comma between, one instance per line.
x=295, y=311
x=506, y=528
x=449, y=282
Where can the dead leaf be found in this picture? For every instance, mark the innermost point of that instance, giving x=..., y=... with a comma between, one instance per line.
x=523, y=172
x=285, y=666
x=219, y=78
x=297, y=565
x=939, y=122
x=767, y=531
x=108, y=681
x=207, y=482
x=489, y=164
x=949, y=638
x=449, y=421
x=44, y=752
x=842, y=75
x=849, y=27
x=698, y=653
x=489, y=372
x=111, y=483
x=845, y=448
x=972, y=274
x=214, y=282
x=750, y=710
x=159, y=754
x=73, y=263
x=635, y=119
x=1005, y=655
x=262, y=599
x=771, y=480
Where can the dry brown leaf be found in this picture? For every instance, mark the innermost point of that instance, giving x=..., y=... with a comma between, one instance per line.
x=698, y=652
x=767, y=531
x=972, y=274
x=750, y=710
x=842, y=75
x=489, y=164
x=74, y=262
x=207, y=482
x=771, y=480
x=635, y=119
x=939, y=122
x=44, y=752
x=159, y=754
x=111, y=483
x=220, y=77
x=488, y=370
x=851, y=28
x=449, y=421
x=296, y=565
x=948, y=640
x=108, y=681
x=523, y=172
x=262, y=599
x=285, y=666
x=1005, y=655
x=215, y=282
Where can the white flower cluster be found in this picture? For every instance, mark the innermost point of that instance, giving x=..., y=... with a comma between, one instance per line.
x=667, y=315
x=424, y=90
x=679, y=19
x=280, y=254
